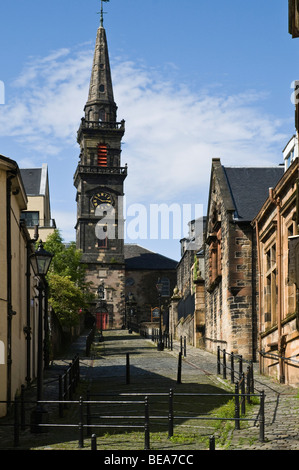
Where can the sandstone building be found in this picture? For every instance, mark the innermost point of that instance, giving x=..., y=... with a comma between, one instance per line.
x=276, y=227
x=187, y=306
x=236, y=195
x=18, y=304
x=38, y=211
x=143, y=269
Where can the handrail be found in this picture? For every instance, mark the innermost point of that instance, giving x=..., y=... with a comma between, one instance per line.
x=169, y=416
x=277, y=356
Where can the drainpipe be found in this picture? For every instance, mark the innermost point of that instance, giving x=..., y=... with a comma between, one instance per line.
x=10, y=311
x=277, y=202
x=27, y=328
x=253, y=297
x=260, y=290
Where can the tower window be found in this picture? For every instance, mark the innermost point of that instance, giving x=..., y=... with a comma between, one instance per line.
x=102, y=88
x=102, y=155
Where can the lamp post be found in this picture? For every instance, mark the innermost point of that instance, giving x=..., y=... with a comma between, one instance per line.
x=40, y=261
x=131, y=302
x=160, y=345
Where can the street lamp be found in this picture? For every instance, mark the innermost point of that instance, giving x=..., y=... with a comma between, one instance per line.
x=160, y=345
x=40, y=261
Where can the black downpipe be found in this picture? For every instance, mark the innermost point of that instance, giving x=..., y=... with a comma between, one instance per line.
x=28, y=322
x=9, y=285
x=28, y=328
x=254, y=247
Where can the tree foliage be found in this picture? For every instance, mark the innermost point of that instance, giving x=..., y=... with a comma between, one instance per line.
x=69, y=295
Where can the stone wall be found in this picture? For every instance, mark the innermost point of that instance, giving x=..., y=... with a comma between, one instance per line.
x=229, y=280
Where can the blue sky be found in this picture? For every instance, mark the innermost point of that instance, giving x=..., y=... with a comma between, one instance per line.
x=193, y=80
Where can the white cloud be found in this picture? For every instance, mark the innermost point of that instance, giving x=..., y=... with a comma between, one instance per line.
x=49, y=97
x=172, y=133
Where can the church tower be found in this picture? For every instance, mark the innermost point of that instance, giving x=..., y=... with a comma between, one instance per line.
x=99, y=181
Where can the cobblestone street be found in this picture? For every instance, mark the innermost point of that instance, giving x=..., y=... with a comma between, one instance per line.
x=146, y=363
x=152, y=368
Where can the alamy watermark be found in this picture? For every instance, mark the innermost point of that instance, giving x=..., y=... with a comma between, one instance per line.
x=295, y=94
x=155, y=221
x=2, y=92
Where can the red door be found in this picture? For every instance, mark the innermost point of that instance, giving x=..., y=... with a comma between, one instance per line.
x=102, y=320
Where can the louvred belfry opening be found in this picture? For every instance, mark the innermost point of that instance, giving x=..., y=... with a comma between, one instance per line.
x=102, y=155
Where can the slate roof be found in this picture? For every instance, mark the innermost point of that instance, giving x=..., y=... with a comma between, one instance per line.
x=31, y=179
x=249, y=188
x=137, y=257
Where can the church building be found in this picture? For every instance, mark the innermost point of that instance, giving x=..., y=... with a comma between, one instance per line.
x=99, y=181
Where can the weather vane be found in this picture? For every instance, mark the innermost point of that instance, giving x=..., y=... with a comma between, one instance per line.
x=102, y=12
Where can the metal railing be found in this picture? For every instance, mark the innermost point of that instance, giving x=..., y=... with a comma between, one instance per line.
x=90, y=418
x=236, y=373
x=95, y=418
x=68, y=383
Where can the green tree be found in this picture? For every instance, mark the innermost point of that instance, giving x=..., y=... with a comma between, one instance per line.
x=66, y=260
x=69, y=294
x=66, y=299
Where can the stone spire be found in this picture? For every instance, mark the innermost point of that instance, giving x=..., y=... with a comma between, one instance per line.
x=100, y=105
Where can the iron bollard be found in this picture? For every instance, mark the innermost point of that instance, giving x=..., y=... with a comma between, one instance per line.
x=70, y=382
x=212, y=443
x=251, y=377
x=248, y=384
x=60, y=397
x=240, y=365
x=80, y=426
x=88, y=420
x=16, y=424
x=237, y=408
x=170, y=414
x=232, y=368
x=146, y=425
x=93, y=442
x=262, y=416
x=23, y=425
x=218, y=361
x=185, y=347
x=179, y=376
x=65, y=389
x=224, y=364
x=127, y=368
x=243, y=410
x=77, y=370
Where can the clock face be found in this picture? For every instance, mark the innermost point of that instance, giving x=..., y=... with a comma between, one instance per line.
x=102, y=198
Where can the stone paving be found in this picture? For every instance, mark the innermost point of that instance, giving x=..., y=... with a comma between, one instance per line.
x=281, y=411
x=150, y=366
x=281, y=401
